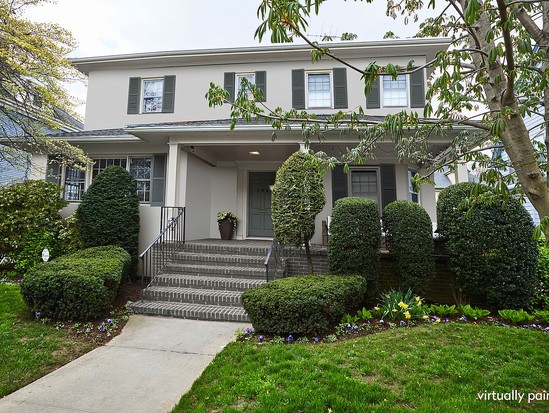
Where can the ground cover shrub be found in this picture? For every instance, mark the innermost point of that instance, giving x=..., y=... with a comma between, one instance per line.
x=30, y=221
x=473, y=312
x=409, y=236
x=516, y=316
x=490, y=246
x=109, y=212
x=77, y=286
x=297, y=197
x=398, y=305
x=303, y=305
x=355, y=239
x=442, y=310
x=543, y=315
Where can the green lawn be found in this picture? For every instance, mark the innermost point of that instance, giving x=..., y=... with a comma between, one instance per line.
x=29, y=349
x=430, y=368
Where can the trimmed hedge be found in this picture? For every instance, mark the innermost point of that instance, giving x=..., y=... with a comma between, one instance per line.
x=355, y=239
x=78, y=286
x=491, y=249
x=303, y=305
x=541, y=291
x=109, y=212
x=409, y=236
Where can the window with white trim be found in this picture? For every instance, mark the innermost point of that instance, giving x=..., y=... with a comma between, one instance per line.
x=100, y=164
x=141, y=169
x=365, y=183
x=75, y=184
x=152, y=95
x=318, y=90
x=395, y=92
x=250, y=77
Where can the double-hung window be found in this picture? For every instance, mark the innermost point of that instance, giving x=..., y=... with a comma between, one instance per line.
x=72, y=180
x=152, y=95
x=141, y=169
x=250, y=78
x=319, y=90
x=365, y=184
x=395, y=91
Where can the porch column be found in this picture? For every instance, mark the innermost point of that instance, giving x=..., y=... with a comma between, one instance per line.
x=172, y=175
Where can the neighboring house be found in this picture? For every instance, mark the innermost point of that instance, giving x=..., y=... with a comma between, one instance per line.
x=147, y=113
x=17, y=165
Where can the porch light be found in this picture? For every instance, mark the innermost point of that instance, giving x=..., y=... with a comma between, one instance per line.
x=254, y=153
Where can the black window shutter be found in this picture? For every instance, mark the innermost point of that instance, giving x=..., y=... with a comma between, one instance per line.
x=373, y=98
x=168, y=95
x=339, y=184
x=228, y=85
x=158, y=180
x=417, y=89
x=134, y=93
x=298, y=89
x=388, y=184
x=53, y=171
x=340, y=88
x=261, y=83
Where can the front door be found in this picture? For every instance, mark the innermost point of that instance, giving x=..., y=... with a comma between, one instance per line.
x=260, y=223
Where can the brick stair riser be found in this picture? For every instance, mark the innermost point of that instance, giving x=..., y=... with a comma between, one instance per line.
x=236, y=315
x=225, y=250
x=207, y=283
x=215, y=271
x=221, y=260
x=193, y=298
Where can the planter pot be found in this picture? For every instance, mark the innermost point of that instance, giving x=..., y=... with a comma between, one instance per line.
x=226, y=229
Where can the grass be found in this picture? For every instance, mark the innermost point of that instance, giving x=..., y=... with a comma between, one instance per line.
x=429, y=368
x=30, y=349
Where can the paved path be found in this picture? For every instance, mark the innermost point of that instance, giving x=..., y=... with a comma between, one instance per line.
x=147, y=368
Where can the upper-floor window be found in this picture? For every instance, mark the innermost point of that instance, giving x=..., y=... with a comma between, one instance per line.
x=250, y=77
x=319, y=90
x=152, y=95
x=395, y=91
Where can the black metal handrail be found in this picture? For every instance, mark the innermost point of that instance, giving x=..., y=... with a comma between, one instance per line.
x=168, y=242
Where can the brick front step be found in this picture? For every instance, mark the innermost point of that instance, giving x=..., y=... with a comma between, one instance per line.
x=212, y=283
x=192, y=311
x=226, y=248
x=193, y=296
x=220, y=259
x=216, y=270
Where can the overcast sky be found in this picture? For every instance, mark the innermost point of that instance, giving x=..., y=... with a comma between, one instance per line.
x=105, y=27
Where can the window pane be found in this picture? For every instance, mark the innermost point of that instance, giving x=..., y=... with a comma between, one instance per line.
x=74, y=184
x=395, y=92
x=152, y=95
x=364, y=184
x=319, y=90
x=250, y=77
x=140, y=168
x=101, y=163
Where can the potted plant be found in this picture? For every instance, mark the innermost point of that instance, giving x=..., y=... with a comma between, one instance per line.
x=227, y=224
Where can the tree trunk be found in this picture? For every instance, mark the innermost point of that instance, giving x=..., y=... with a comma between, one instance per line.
x=309, y=258
x=515, y=138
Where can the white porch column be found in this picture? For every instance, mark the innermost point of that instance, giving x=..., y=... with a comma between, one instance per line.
x=461, y=174
x=172, y=175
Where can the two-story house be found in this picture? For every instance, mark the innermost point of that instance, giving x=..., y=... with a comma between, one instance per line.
x=147, y=113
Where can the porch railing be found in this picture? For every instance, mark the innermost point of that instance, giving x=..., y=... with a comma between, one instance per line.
x=162, y=249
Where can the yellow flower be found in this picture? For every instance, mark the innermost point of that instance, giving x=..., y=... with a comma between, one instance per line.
x=394, y=310
x=407, y=315
x=425, y=317
x=403, y=305
x=376, y=308
x=418, y=299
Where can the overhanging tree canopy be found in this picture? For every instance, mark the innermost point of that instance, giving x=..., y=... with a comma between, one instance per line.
x=496, y=68
x=33, y=101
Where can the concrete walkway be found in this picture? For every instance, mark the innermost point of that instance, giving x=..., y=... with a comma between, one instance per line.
x=147, y=368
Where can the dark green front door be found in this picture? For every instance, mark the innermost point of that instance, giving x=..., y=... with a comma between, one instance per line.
x=260, y=223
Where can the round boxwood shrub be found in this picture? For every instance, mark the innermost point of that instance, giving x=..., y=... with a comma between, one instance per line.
x=297, y=198
x=303, y=305
x=491, y=249
x=541, y=288
x=355, y=239
x=79, y=286
x=109, y=212
x=409, y=237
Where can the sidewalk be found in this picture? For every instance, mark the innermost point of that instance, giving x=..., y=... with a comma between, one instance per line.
x=147, y=368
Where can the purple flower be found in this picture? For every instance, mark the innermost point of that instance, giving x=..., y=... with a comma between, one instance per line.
x=37, y=314
x=446, y=320
x=108, y=334
x=381, y=322
x=546, y=329
x=261, y=338
x=504, y=325
x=109, y=320
x=19, y=281
x=525, y=326
x=355, y=328
x=290, y=338
x=463, y=318
x=249, y=330
x=402, y=323
x=349, y=327
x=87, y=330
x=317, y=339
